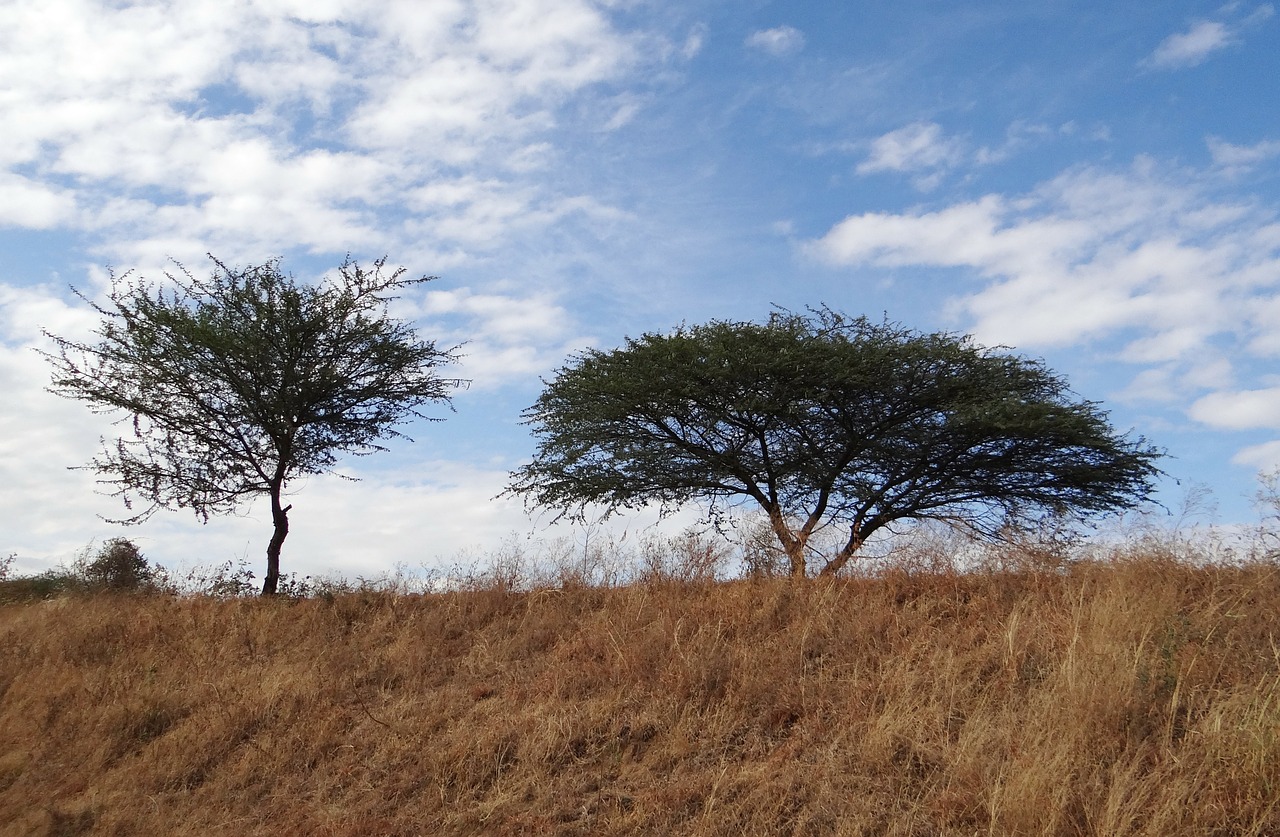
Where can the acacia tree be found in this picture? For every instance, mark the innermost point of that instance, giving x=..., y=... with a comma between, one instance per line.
x=822, y=420
x=236, y=385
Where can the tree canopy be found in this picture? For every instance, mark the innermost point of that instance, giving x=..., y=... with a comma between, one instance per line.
x=821, y=420
x=236, y=385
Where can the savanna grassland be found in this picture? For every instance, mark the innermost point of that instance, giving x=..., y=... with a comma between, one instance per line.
x=1136, y=694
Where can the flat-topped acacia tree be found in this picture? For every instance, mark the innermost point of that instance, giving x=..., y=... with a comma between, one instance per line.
x=233, y=386
x=821, y=419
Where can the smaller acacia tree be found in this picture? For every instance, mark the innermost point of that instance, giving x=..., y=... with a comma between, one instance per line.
x=824, y=420
x=234, y=386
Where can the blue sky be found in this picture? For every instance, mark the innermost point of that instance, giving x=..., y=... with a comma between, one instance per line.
x=1095, y=184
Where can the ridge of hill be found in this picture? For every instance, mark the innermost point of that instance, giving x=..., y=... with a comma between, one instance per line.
x=1134, y=696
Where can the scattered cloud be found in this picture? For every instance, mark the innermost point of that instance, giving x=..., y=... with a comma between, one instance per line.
x=1239, y=410
x=779, y=41
x=1202, y=39
x=925, y=151
x=1017, y=136
x=1088, y=255
x=154, y=127
x=42, y=436
x=1264, y=457
x=1156, y=385
x=26, y=312
x=1192, y=47
x=693, y=42
x=33, y=205
x=1239, y=159
x=920, y=147
x=626, y=112
x=506, y=338
x=1146, y=262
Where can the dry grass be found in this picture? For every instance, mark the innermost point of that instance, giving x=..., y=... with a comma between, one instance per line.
x=1134, y=697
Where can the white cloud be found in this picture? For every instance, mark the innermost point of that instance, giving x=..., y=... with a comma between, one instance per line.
x=183, y=115
x=28, y=203
x=1154, y=385
x=693, y=42
x=481, y=214
x=1202, y=39
x=507, y=338
x=507, y=319
x=1239, y=410
x=24, y=312
x=1169, y=382
x=917, y=146
x=924, y=150
x=622, y=116
x=1264, y=457
x=41, y=435
x=1265, y=316
x=1147, y=262
x=1019, y=135
x=1089, y=254
x=1237, y=159
x=1190, y=48
x=779, y=41
x=429, y=519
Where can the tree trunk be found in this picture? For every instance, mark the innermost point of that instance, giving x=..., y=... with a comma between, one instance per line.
x=280, y=519
x=836, y=564
x=842, y=557
x=792, y=544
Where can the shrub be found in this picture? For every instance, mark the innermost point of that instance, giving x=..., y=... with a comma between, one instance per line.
x=46, y=585
x=119, y=566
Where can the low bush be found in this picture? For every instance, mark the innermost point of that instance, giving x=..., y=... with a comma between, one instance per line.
x=118, y=566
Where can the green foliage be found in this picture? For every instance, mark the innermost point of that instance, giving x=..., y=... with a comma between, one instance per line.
x=120, y=566
x=821, y=419
x=233, y=386
x=46, y=585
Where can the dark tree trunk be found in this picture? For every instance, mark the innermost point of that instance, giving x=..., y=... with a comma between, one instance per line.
x=280, y=519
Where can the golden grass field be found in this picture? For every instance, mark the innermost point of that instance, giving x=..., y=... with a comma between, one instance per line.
x=1130, y=695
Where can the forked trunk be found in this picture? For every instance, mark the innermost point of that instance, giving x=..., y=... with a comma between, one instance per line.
x=280, y=519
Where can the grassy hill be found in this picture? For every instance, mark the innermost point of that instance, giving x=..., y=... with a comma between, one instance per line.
x=1134, y=696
